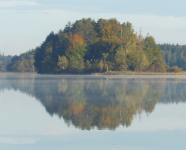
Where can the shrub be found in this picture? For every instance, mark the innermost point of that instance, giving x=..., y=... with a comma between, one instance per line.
x=174, y=69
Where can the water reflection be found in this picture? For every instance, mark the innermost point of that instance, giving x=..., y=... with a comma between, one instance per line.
x=105, y=103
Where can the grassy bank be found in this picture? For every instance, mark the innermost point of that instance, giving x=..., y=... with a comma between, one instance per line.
x=139, y=73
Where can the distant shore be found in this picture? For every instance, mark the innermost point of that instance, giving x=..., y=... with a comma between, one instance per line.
x=18, y=72
x=111, y=73
x=139, y=73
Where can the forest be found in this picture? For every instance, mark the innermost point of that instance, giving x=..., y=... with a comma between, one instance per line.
x=4, y=61
x=174, y=55
x=22, y=63
x=87, y=46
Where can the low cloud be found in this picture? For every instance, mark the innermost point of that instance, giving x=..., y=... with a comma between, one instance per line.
x=17, y=3
x=48, y=12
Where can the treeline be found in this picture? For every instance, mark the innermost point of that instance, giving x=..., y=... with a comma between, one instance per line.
x=174, y=55
x=87, y=46
x=4, y=61
x=22, y=63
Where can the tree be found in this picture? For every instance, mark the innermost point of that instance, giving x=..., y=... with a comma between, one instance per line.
x=4, y=61
x=75, y=65
x=87, y=66
x=158, y=65
x=154, y=55
x=106, y=66
x=101, y=65
x=76, y=47
x=86, y=42
x=120, y=59
x=75, y=53
x=62, y=62
x=105, y=55
x=47, y=50
x=22, y=63
x=174, y=69
x=175, y=55
x=85, y=28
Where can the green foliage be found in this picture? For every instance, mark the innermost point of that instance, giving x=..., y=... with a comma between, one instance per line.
x=157, y=66
x=105, y=55
x=47, y=64
x=120, y=59
x=152, y=50
x=85, y=28
x=107, y=67
x=88, y=66
x=76, y=47
x=63, y=62
x=175, y=55
x=22, y=63
x=155, y=57
x=4, y=61
x=105, y=45
x=101, y=65
x=75, y=65
x=174, y=69
x=46, y=56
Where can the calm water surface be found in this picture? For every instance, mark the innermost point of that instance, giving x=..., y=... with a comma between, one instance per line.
x=47, y=112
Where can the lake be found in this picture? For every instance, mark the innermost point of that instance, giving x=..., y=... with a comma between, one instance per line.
x=56, y=112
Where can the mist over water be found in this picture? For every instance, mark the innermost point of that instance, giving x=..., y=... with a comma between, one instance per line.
x=92, y=112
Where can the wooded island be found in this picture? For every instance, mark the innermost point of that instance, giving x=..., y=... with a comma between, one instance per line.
x=87, y=46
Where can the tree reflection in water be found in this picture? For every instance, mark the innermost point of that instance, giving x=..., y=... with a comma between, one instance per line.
x=104, y=103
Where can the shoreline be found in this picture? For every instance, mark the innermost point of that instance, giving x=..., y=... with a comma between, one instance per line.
x=139, y=73
x=18, y=73
x=108, y=73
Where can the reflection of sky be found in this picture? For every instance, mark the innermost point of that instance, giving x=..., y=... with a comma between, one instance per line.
x=25, y=124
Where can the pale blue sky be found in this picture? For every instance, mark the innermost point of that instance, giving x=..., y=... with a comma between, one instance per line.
x=25, y=24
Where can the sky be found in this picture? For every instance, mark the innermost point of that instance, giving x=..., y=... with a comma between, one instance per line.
x=24, y=24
